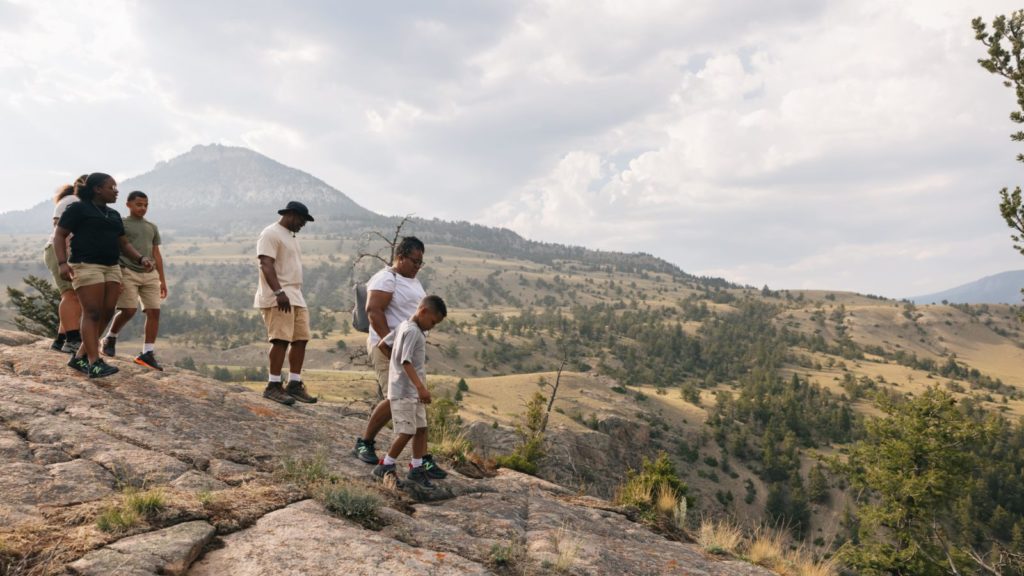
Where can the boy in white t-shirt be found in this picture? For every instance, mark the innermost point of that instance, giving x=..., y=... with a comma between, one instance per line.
x=407, y=388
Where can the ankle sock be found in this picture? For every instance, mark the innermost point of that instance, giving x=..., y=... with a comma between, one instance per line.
x=275, y=377
x=388, y=460
x=147, y=347
x=416, y=462
x=292, y=376
x=74, y=336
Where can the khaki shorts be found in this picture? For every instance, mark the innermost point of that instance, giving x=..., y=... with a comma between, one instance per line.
x=89, y=274
x=50, y=257
x=288, y=326
x=381, y=365
x=144, y=286
x=408, y=414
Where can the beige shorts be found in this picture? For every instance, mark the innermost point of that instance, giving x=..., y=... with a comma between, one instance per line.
x=408, y=414
x=50, y=257
x=144, y=286
x=288, y=326
x=380, y=364
x=89, y=274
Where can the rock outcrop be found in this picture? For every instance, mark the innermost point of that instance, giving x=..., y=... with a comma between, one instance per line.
x=72, y=449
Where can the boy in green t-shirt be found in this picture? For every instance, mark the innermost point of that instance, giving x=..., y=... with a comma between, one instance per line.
x=139, y=285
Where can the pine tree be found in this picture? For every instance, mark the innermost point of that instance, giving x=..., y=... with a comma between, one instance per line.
x=37, y=313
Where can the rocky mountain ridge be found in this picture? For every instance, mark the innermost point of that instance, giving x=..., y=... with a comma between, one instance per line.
x=72, y=448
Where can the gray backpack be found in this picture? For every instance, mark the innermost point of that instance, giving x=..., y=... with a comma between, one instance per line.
x=360, y=321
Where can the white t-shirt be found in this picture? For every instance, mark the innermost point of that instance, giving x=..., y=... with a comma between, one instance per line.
x=59, y=209
x=278, y=242
x=406, y=294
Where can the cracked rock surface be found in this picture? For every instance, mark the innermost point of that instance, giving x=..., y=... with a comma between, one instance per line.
x=71, y=447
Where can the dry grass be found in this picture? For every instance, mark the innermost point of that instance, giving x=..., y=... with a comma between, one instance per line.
x=719, y=536
x=568, y=547
x=768, y=548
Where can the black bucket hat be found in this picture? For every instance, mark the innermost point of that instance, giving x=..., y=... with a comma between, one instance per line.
x=297, y=207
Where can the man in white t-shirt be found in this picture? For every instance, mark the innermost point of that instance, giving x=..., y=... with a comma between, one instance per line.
x=279, y=298
x=393, y=295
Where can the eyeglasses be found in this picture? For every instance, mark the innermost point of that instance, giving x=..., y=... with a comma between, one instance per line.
x=418, y=262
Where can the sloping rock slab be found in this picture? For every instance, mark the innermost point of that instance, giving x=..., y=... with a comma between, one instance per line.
x=305, y=540
x=167, y=552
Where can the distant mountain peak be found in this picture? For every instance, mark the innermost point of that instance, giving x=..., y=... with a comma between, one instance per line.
x=1002, y=288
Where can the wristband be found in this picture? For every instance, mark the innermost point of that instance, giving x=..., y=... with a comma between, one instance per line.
x=278, y=292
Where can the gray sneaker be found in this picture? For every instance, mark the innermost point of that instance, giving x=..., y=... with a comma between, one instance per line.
x=365, y=451
x=381, y=470
x=419, y=476
x=275, y=392
x=71, y=346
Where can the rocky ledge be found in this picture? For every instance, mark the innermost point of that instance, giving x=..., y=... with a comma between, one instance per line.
x=72, y=450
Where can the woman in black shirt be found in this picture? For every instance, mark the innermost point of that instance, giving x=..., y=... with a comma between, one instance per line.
x=96, y=242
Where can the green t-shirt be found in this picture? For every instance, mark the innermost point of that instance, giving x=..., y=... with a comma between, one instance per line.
x=143, y=235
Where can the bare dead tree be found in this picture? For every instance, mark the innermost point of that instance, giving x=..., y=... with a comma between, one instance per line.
x=391, y=241
x=566, y=348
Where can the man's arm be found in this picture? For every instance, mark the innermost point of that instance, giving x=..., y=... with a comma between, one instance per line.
x=160, y=270
x=377, y=302
x=128, y=250
x=267, y=268
x=421, y=389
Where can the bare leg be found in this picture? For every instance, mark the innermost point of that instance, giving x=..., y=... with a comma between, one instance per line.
x=70, y=311
x=398, y=445
x=111, y=290
x=378, y=419
x=419, y=443
x=296, y=356
x=91, y=298
x=121, y=318
x=152, y=324
x=278, y=348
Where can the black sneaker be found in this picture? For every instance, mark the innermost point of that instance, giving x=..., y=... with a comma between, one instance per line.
x=433, y=470
x=148, y=360
x=275, y=392
x=381, y=470
x=58, y=343
x=297, y=390
x=419, y=476
x=108, y=346
x=365, y=451
x=80, y=364
x=100, y=369
x=71, y=346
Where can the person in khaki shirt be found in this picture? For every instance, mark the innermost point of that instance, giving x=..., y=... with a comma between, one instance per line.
x=138, y=284
x=279, y=299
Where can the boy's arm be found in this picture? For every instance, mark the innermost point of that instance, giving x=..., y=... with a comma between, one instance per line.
x=160, y=270
x=415, y=378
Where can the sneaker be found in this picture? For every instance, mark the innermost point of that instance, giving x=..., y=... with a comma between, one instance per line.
x=275, y=392
x=148, y=360
x=419, y=476
x=297, y=390
x=58, y=343
x=433, y=470
x=71, y=346
x=365, y=451
x=381, y=470
x=100, y=369
x=80, y=364
x=108, y=346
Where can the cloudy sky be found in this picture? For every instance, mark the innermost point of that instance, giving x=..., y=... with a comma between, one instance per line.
x=841, y=144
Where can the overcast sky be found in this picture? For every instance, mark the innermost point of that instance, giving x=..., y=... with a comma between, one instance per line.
x=851, y=145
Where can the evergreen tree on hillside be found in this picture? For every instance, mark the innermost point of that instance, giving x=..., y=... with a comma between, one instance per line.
x=36, y=313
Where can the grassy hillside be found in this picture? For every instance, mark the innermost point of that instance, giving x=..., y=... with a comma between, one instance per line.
x=698, y=363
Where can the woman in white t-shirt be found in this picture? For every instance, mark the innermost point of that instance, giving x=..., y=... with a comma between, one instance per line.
x=69, y=337
x=393, y=294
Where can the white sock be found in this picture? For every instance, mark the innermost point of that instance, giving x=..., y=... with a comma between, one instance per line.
x=147, y=347
x=294, y=376
x=388, y=460
x=416, y=462
x=275, y=377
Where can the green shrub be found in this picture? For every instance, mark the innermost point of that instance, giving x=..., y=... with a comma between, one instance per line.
x=355, y=502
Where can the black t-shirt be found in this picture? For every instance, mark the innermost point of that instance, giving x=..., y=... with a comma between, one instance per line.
x=96, y=231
